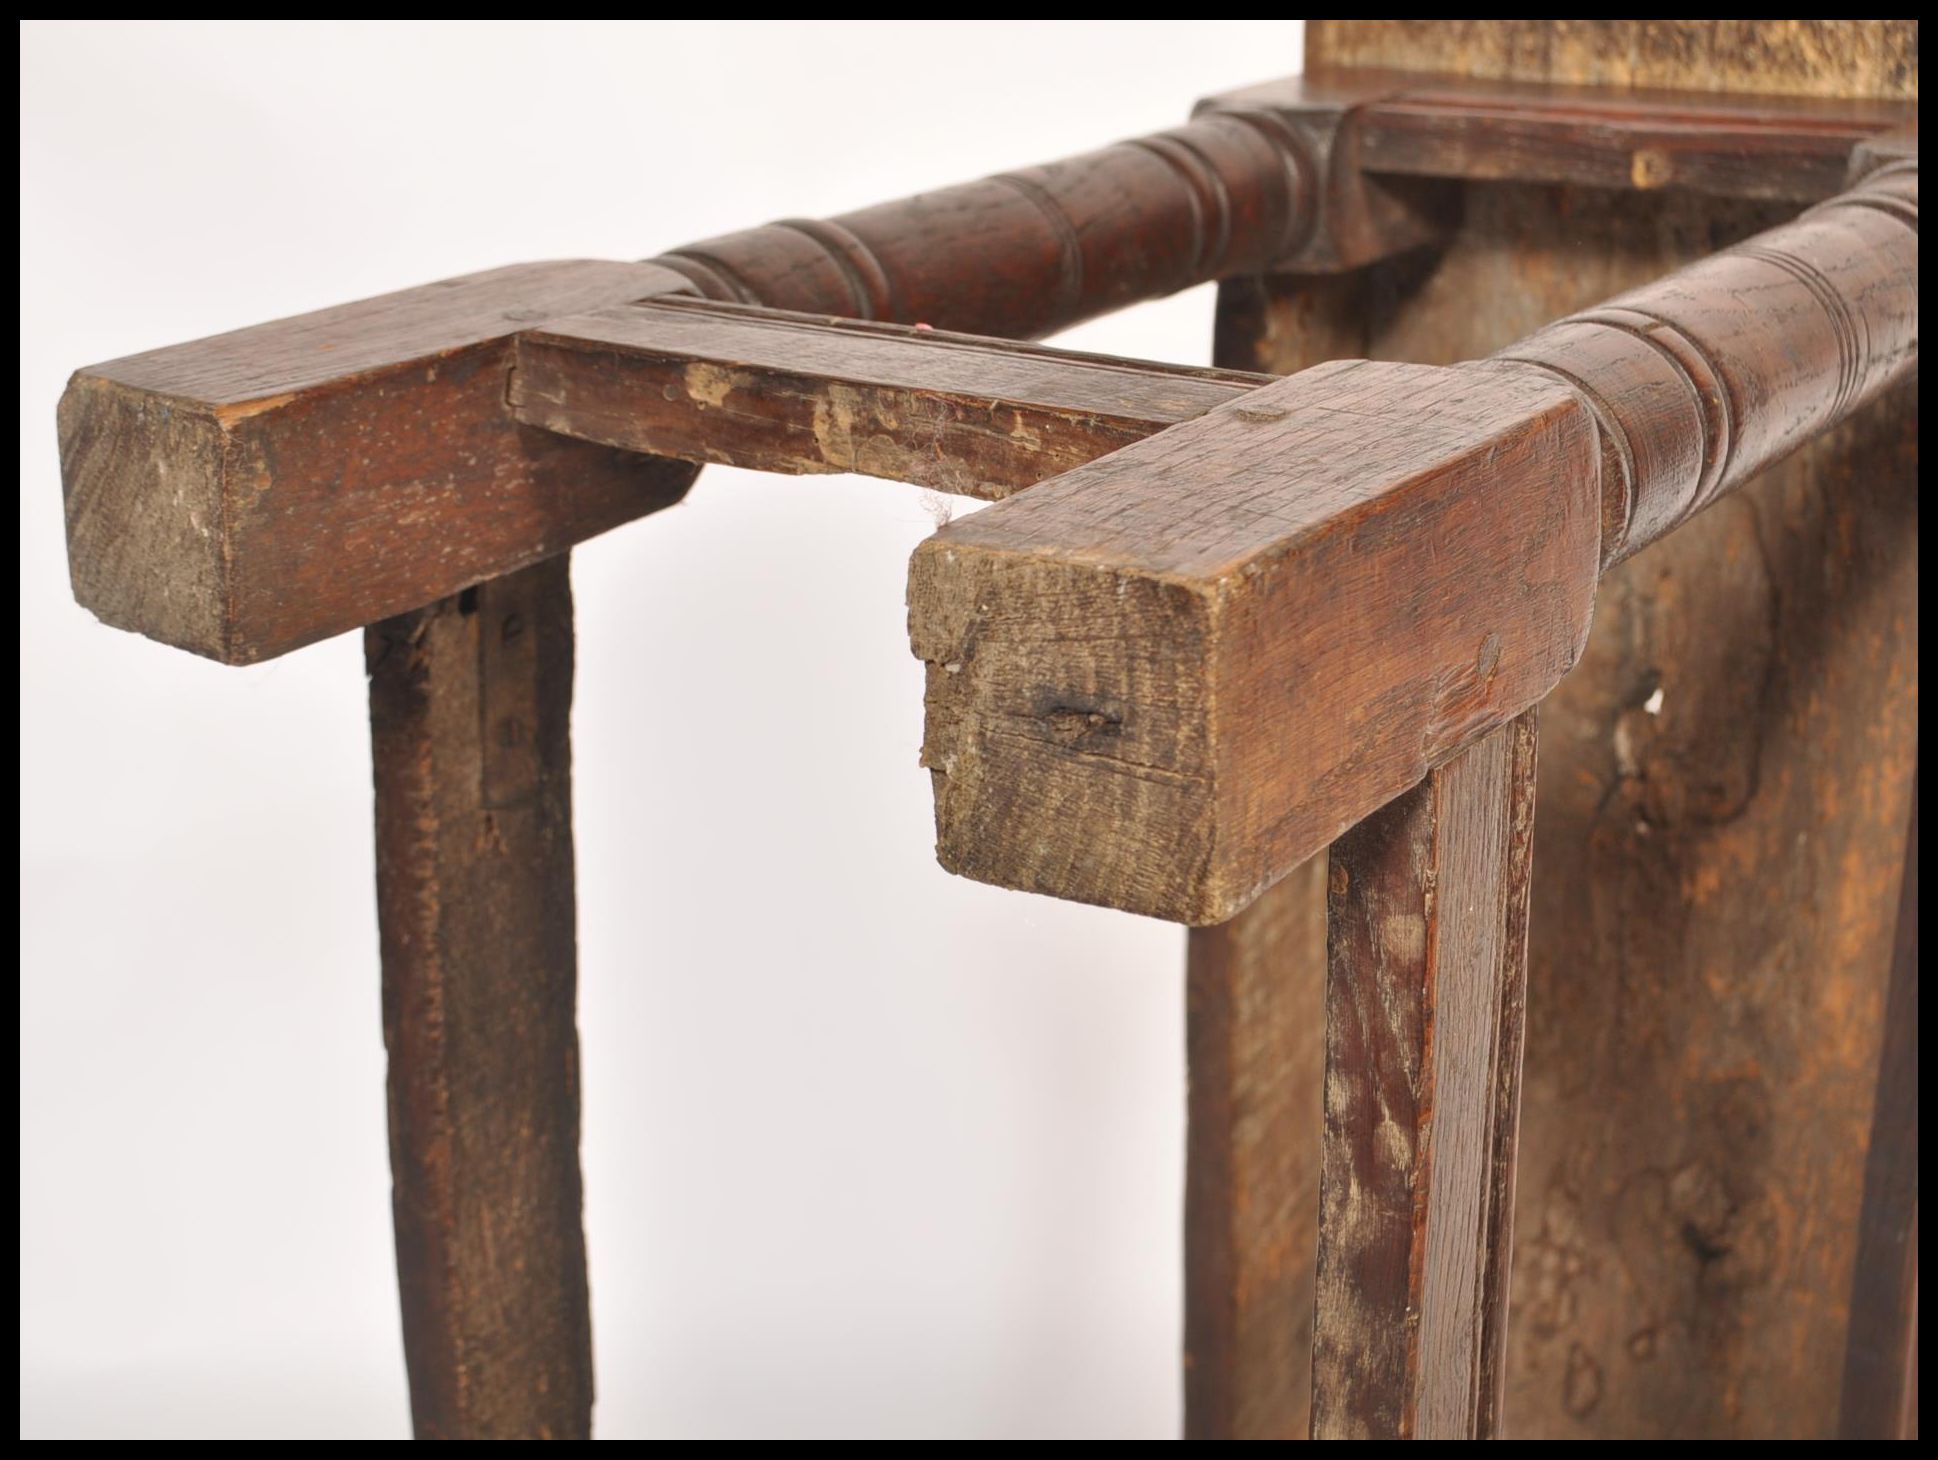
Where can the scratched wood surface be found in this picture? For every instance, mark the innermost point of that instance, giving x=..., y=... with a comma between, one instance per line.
x=250, y=493
x=1833, y=58
x=1143, y=762
x=1255, y=1022
x=1255, y=1056
x=1025, y=253
x=1700, y=1070
x=785, y=392
x=469, y=701
x=1426, y=943
x=1791, y=148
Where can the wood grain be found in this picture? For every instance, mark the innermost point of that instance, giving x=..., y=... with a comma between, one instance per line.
x=1717, y=894
x=1880, y=1394
x=1748, y=148
x=1255, y=989
x=1425, y=998
x=1827, y=58
x=469, y=700
x=1255, y=1020
x=1701, y=379
x=1119, y=659
x=785, y=392
x=247, y=494
x=244, y=495
x=1241, y=189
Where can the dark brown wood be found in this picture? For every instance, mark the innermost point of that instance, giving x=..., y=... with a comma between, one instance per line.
x=1255, y=1018
x=1255, y=990
x=1880, y=1395
x=1702, y=379
x=244, y=495
x=253, y=492
x=247, y=494
x=1026, y=253
x=786, y=392
x=1425, y=997
x=1718, y=868
x=1142, y=691
x=1197, y=806
x=1792, y=148
x=469, y=700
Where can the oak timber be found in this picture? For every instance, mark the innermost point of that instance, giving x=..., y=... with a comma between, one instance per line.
x=1188, y=802
x=1717, y=887
x=1162, y=680
x=784, y=392
x=469, y=702
x=1427, y=905
x=1255, y=1053
x=1705, y=377
x=1255, y=1029
x=250, y=493
x=1494, y=131
x=1841, y=59
x=1879, y=1400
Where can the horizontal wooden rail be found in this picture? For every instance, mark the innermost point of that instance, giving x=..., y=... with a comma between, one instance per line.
x=1027, y=253
x=786, y=392
x=1373, y=564
x=243, y=495
x=1788, y=148
x=1701, y=380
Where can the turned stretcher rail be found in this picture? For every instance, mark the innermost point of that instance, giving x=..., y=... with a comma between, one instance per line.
x=1388, y=567
x=1234, y=618
x=247, y=494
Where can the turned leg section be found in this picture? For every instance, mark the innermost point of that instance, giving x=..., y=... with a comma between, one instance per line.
x=470, y=701
x=1425, y=992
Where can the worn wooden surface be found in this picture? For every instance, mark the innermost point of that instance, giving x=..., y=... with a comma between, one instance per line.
x=1255, y=1052
x=1703, y=378
x=1029, y=252
x=468, y=707
x=803, y=393
x=1880, y=1394
x=1791, y=148
x=1718, y=875
x=1426, y=940
x=1830, y=58
x=1255, y=1020
x=247, y=494
x=1120, y=658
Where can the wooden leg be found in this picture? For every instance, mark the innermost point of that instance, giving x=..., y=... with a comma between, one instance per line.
x=470, y=701
x=1880, y=1395
x=1256, y=1047
x=1256, y=1036
x=1426, y=948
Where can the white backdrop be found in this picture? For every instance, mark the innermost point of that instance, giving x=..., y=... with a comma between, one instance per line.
x=870, y=1150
